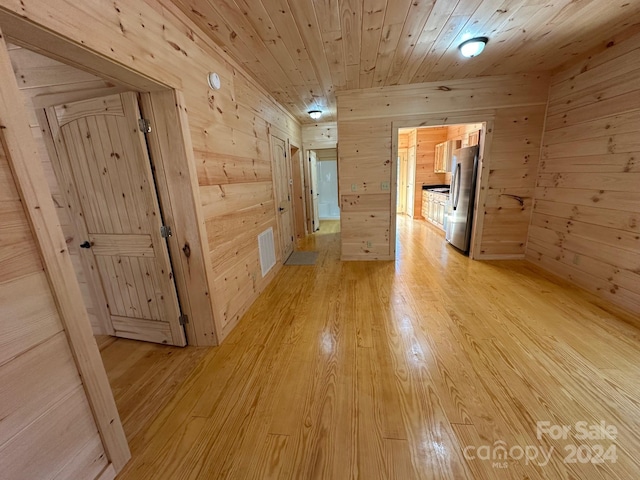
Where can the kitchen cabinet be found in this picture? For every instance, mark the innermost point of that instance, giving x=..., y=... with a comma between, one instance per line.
x=443, y=154
x=434, y=207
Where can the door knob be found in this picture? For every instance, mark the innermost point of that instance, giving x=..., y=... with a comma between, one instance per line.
x=85, y=244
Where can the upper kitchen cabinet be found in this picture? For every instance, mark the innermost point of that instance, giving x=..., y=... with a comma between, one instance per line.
x=443, y=155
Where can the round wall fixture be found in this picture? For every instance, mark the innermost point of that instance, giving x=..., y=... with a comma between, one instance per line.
x=214, y=81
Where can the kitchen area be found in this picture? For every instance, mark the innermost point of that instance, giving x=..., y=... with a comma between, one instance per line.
x=436, y=178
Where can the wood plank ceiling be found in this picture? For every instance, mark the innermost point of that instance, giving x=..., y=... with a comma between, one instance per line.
x=303, y=51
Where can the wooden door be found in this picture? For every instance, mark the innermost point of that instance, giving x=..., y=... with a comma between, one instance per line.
x=104, y=169
x=282, y=182
x=411, y=179
x=402, y=180
x=315, y=193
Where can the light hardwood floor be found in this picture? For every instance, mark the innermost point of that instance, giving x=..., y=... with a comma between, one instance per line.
x=388, y=370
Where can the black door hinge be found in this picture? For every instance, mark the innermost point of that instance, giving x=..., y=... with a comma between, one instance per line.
x=183, y=319
x=145, y=125
x=165, y=231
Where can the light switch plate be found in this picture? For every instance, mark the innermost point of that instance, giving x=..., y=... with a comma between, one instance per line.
x=354, y=187
x=384, y=185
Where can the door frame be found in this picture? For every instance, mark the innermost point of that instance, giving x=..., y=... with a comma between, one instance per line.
x=482, y=116
x=189, y=242
x=276, y=133
x=300, y=207
x=403, y=175
x=163, y=110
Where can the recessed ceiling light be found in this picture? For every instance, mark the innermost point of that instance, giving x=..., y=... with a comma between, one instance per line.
x=473, y=47
x=315, y=114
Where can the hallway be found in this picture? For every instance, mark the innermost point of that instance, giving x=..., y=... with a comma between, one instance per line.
x=387, y=370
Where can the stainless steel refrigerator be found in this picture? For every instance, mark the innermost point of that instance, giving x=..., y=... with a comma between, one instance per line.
x=463, y=189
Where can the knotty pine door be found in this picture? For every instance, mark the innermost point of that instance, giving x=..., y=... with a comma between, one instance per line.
x=283, y=193
x=104, y=169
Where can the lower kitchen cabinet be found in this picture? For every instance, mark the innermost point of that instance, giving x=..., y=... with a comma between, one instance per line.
x=434, y=208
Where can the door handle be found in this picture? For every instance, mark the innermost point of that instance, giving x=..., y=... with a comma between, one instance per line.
x=85, y=244
x=456, y=187
x=280, y=209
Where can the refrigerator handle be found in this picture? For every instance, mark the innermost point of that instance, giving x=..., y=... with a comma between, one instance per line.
x=456, y=187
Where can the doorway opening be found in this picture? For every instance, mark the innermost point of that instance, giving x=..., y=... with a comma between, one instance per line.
x=98, y=168
x=438, y=170
x=323, y=189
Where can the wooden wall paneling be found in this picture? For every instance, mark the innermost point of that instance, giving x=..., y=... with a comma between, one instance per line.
x=323, y=154
x=585, y=219
x=22, y=156
x=176, y=178
x=320, y=135
x=367, y=120
x=52, y=373
x=459, y=96
x=55, y=437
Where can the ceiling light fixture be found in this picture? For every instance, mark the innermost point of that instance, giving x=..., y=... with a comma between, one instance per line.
x=473, y=47
x=213, y=79
x=315, y=114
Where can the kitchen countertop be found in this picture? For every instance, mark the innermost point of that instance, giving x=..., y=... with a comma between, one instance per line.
x=437, y=188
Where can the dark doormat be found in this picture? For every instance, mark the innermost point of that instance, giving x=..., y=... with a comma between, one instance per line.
x=302, y=258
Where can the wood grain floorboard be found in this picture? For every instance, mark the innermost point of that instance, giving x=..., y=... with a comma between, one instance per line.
x=388, y=370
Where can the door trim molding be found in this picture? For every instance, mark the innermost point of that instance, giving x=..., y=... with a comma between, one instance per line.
x=434, y=120
x=172, y=155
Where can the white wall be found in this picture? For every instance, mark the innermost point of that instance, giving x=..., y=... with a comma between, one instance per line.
x=328, y=190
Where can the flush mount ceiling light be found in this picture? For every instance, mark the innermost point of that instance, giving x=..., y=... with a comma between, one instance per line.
x=473, y=47
x=213, y=79
x=315, y=114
